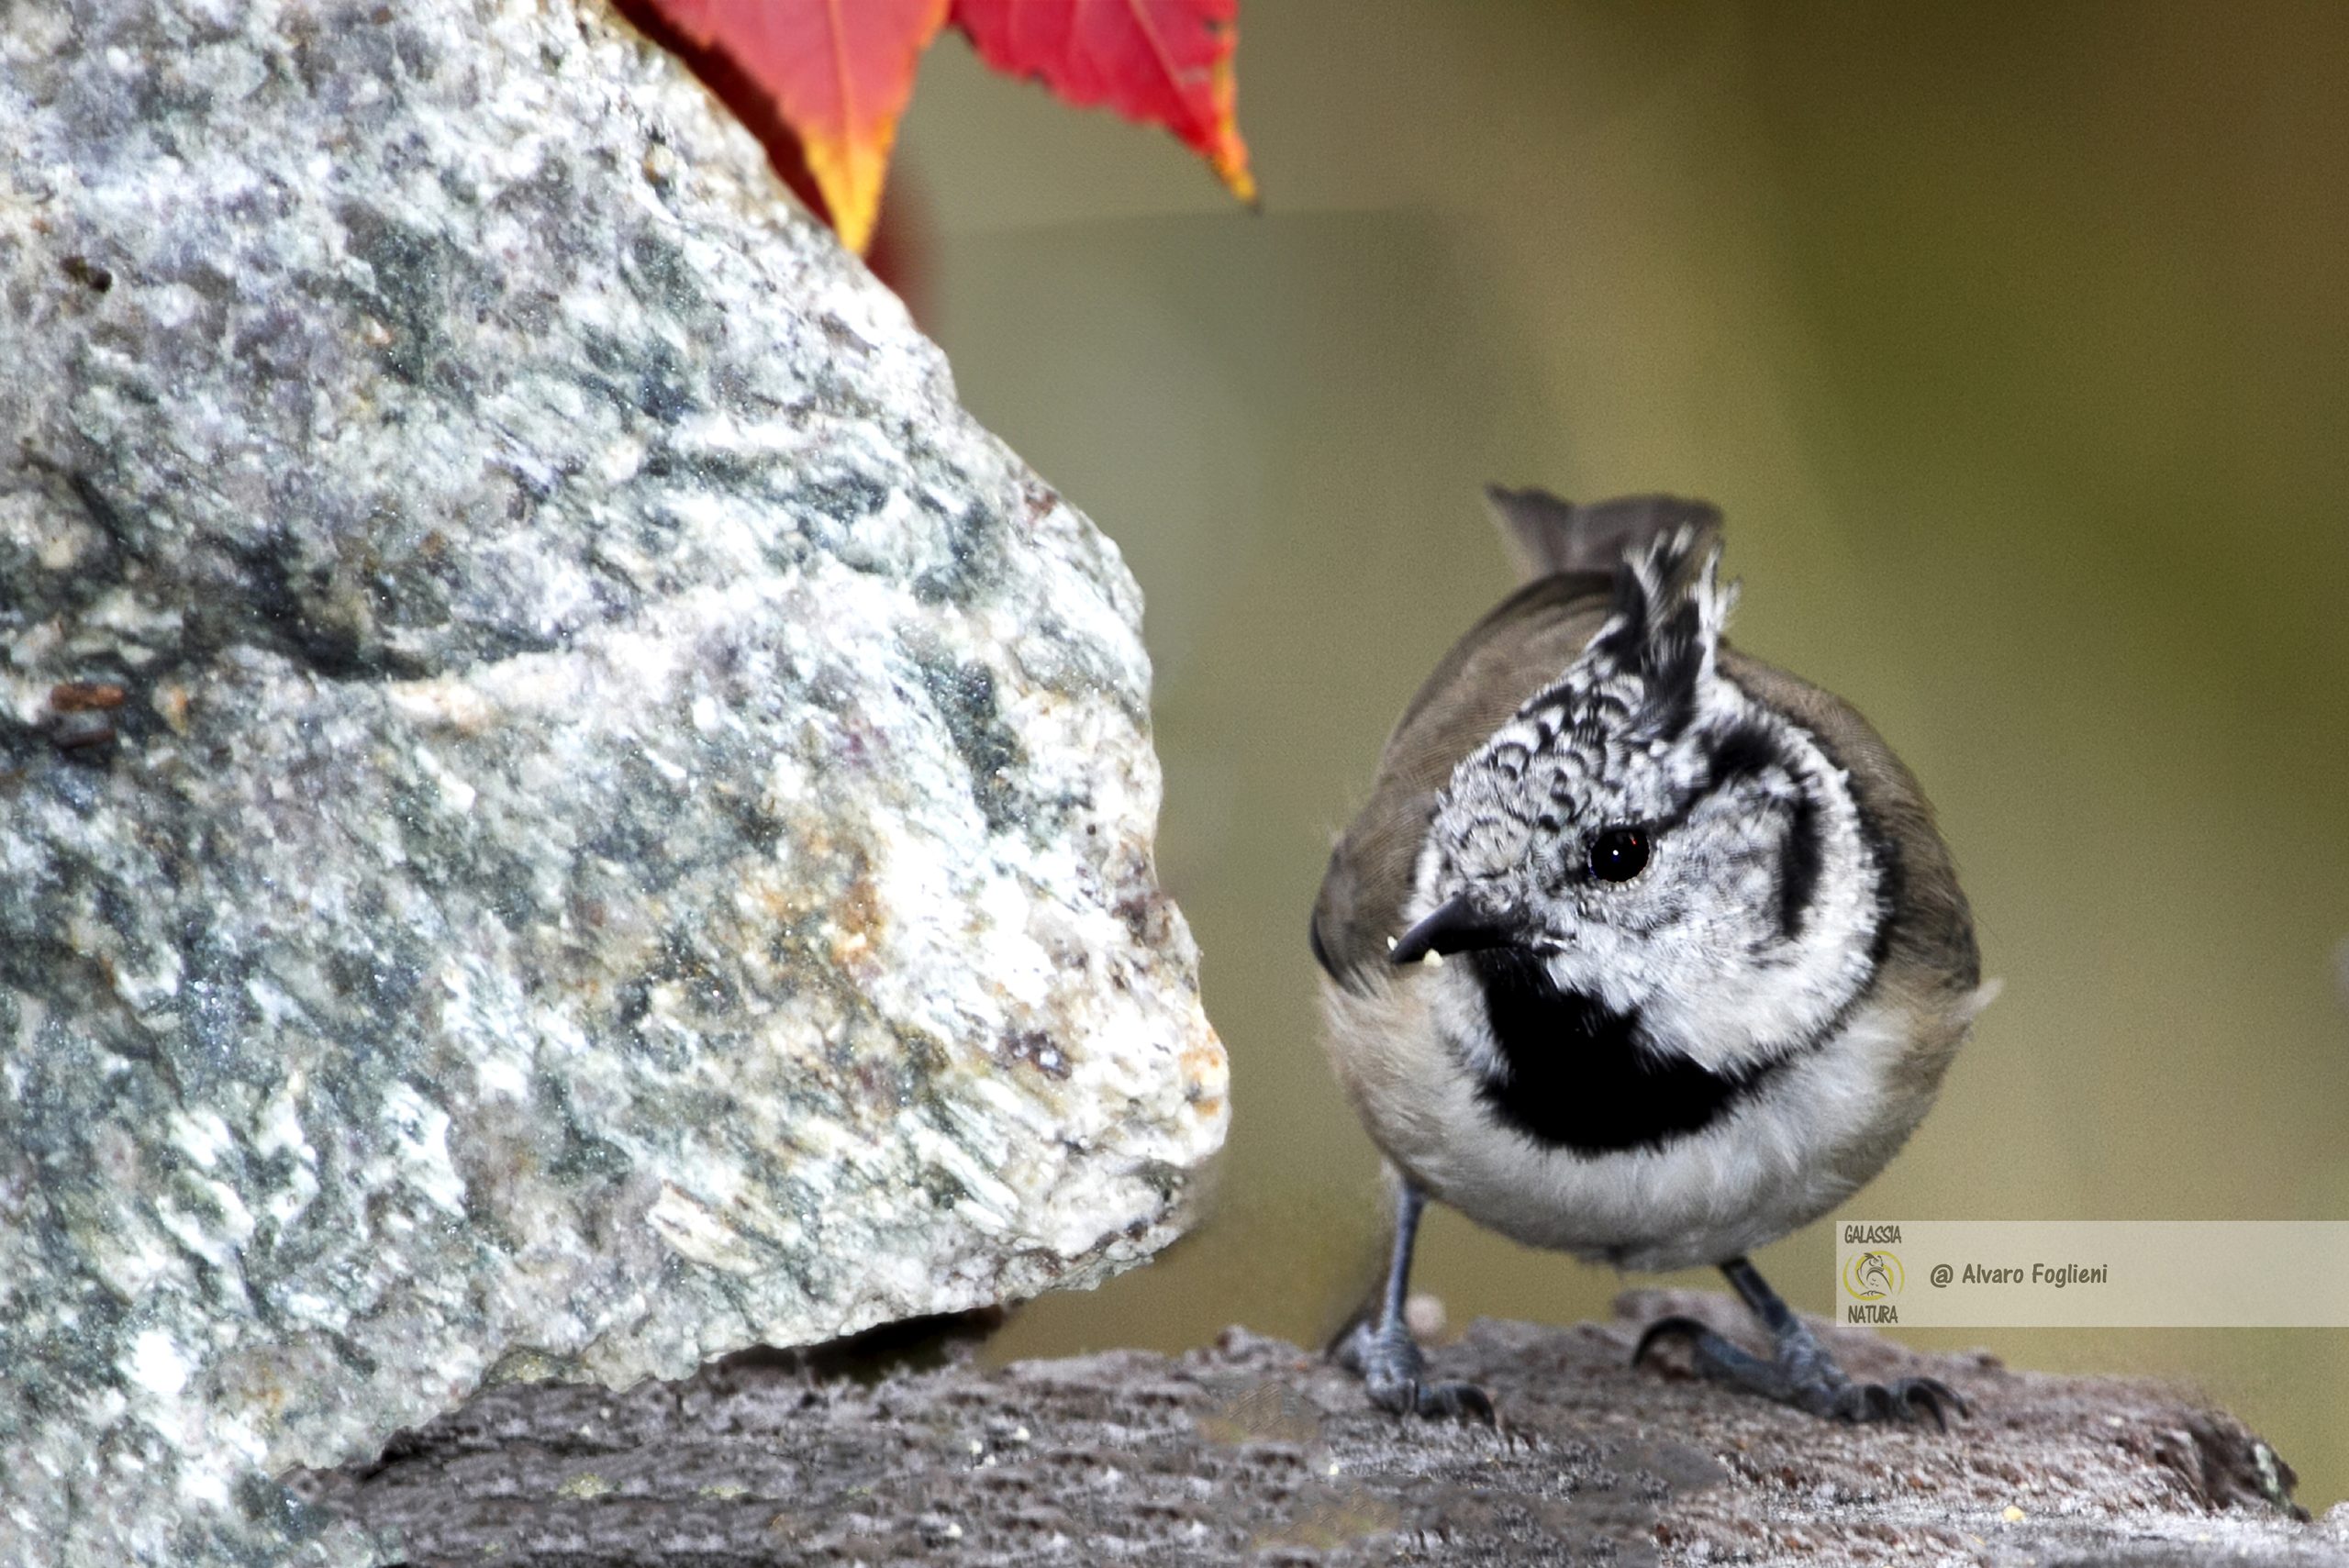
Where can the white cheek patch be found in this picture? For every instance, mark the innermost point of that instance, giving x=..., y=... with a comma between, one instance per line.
x=1700, y=945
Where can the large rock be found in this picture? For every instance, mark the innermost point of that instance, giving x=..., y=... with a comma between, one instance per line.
x=562, y=809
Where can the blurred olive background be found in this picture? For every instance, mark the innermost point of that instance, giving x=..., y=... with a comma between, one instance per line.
x=2014, y=340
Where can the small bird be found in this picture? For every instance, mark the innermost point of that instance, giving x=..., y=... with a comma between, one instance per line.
x=1707, y=959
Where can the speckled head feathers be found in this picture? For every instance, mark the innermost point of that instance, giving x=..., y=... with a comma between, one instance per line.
x=1601, y=745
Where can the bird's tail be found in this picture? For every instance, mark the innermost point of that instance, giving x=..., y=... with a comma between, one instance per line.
x=1550, y=536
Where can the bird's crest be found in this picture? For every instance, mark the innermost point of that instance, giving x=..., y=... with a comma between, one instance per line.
x=1664, y=631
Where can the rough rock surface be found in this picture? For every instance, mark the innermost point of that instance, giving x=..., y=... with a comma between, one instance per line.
x=562, y=809
x=1255, y=1452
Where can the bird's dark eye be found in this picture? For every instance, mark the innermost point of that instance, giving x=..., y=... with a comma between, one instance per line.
x=1619, y=854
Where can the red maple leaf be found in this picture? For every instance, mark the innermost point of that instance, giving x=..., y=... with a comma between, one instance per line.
x=839, y=73
x=1161, y=61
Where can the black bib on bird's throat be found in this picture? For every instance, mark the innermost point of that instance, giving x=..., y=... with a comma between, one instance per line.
x=1580, y=1075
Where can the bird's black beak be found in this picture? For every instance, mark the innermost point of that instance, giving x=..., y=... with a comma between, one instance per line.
x=1455, y=926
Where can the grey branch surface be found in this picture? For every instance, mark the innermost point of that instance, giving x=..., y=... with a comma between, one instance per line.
x=1253, y=1451
x=563, y=809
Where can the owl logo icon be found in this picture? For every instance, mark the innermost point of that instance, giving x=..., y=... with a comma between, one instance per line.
x=1874, y=1277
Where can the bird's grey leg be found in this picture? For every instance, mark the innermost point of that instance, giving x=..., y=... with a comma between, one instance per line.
x=1382, y=1349
x=1801, y=1372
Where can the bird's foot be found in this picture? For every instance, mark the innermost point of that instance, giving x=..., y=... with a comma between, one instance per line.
x=1392, y=1371
x=1804, y=1375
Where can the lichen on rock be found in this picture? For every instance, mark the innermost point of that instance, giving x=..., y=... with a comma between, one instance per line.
x=563, y=809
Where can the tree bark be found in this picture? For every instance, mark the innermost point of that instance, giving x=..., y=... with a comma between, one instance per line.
x=1254, y=1451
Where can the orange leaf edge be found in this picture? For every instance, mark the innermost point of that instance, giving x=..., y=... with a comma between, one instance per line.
x=850, y=173
x=849, y=166
x=1226, y=153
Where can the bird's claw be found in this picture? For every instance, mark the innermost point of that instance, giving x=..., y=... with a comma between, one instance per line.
x=1665, y=1328
x=1805, y=1376
x=1923, y=1395
x=1391, y=1365
x=1456, y=1400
